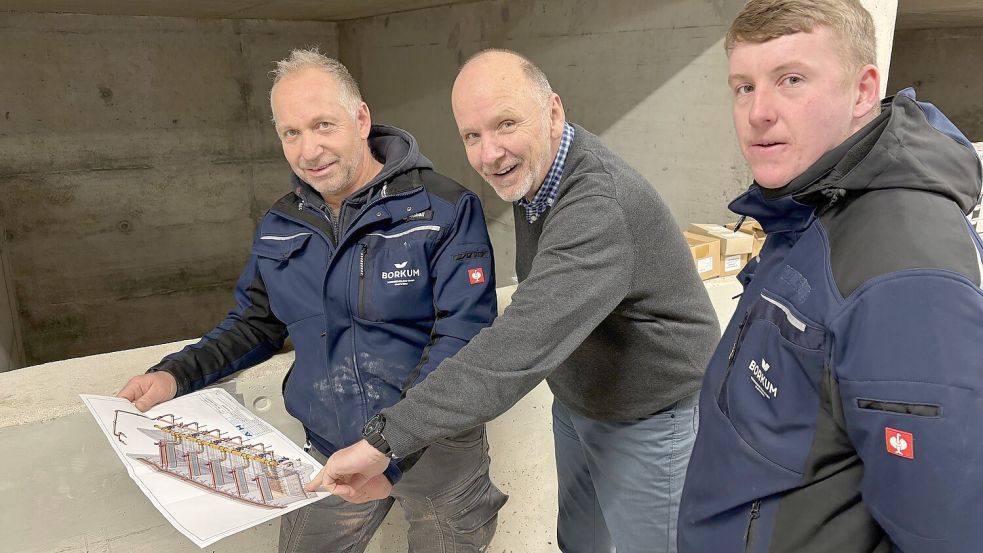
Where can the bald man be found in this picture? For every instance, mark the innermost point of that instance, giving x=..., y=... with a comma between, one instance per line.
x=609, y=310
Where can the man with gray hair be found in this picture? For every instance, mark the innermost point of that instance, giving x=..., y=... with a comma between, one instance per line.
x=609, y=310
x=378, y=268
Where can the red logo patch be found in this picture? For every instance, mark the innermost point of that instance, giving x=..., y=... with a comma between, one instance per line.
x=899, y=443
x=476, y=275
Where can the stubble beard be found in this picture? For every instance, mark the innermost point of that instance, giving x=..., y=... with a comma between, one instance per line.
x=341, y=182
x=534, y=164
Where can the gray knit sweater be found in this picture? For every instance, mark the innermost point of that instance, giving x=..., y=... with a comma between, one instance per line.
x=609, y=310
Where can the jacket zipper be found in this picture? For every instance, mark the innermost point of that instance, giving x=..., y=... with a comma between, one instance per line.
x=361, y=281
x=351, y=319
x=752, y=523
x=722, y=401
x=335, y=226
x=361, y=287
x=337, y=230
x=737, y=340
x=335, y=222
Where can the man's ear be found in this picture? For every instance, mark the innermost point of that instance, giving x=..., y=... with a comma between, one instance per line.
x=868, y=91
x=557, y=117
x=364, y=120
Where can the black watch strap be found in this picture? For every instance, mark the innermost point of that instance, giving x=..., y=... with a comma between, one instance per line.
x=372, y=432
x=378, y=442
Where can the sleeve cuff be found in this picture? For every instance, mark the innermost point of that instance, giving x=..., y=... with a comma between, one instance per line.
x=167, y=367
x=402, y=443
x=392, y=473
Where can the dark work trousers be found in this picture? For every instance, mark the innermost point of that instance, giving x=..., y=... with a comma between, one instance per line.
x=448, y=499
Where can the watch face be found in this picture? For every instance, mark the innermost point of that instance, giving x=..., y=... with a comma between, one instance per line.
x=373, y=426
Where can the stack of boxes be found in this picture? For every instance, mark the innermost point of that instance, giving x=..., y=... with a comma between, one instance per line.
x=721, y=251
x=753, y=228
x=706, y=254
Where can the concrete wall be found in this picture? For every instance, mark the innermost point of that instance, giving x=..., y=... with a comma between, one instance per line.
x=11, y=342
x=945, y=67
x=648, y=76
x=137, y=156
x=885, y=14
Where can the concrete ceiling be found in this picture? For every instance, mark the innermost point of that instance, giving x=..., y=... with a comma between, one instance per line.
x=912, y=14
x=928, y=14
x=309, y=10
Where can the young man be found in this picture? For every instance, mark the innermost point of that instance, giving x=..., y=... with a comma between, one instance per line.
x=368, y=264
x=609, y=310
x=839, y=412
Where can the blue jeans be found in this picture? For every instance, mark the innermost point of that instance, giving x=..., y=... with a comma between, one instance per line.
x=620, y=482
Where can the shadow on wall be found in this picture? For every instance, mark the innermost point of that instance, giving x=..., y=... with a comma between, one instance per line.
x=603, y=57
x=649, y=72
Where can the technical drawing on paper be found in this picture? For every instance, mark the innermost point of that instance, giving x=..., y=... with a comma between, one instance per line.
x=209, y=465
x=224, y=465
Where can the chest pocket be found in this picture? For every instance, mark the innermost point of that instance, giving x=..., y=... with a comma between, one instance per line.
x=394, y=275
x=280, y=247
x=771, y=388
x=288, y=274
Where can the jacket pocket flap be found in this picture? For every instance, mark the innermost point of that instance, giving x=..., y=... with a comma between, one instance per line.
x=280, y=247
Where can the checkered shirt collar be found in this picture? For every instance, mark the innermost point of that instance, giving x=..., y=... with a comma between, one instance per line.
x=546, y=195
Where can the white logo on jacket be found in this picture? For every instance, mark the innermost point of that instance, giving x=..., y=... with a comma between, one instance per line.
x=401, y=276
x=761, y=382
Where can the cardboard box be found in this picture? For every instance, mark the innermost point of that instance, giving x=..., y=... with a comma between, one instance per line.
x=706, y=254
x=731, y=243
x=753, y=228
x=732, y=264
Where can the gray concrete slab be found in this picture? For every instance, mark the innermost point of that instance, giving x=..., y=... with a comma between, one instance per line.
x=308, y=10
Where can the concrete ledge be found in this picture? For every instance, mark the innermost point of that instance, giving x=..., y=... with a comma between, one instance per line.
x=63, y=488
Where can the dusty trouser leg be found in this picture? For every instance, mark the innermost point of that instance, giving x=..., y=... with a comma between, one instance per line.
x=331, y=525
x=448, y=498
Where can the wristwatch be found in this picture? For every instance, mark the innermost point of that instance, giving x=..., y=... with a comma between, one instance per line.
x=372, y=432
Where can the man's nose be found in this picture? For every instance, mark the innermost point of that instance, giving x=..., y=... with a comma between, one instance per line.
x=491, y=151
x=762, y=110
x=310, y=149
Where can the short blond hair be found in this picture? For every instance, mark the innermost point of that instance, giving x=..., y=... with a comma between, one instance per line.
x=300, y=59
x=763, y=20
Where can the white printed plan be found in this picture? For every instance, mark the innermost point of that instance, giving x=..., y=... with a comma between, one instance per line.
x=209, y=465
